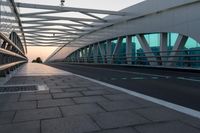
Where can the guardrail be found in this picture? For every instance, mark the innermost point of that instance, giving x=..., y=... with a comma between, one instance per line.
x=182, y=58
x=11, y=56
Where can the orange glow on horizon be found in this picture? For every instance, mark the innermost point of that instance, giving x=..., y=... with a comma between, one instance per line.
x=43, y=52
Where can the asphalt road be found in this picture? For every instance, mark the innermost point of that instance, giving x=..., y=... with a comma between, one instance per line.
x=182, y=88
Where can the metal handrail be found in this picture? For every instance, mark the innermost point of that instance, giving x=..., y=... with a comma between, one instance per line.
x=11, y=58
x=2, y=36
x=6, y=66
x=189, y=59
x=4, y=51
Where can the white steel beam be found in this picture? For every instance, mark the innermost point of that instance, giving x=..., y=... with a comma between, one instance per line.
x=108, y=51
x=96, y=17
x=95, y=53
x=180, y=42
x=102, y=52
x=163, y=48
x=147, y=50
x=40, y=13
x=19, y=21
x=65, y=18
x=53, y=23
x=129, y=49
x=72, y=9
x=117, y=48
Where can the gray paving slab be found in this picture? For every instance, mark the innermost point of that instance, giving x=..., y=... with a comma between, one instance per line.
x=123, y=96
x=9, y=98
x=42, y=92
x=17, y=105
x=119, y=130
x=113, y=91
x=195, y=122
x=70, y=124
x=117, y=97
x=75, y=89
x=31, y=97
x=56, y=90
x=37, y=114
x=6, y=117
x=27, y=127
x=95, y=92
x=89, y=99
x=59, y=87
x=119, y=105
x=118, y=119
x=157, y=114
x=168, y=127
x=81, y=109
x=97, y=87
x=83, y=105
x=55, y=102
x=67, y=95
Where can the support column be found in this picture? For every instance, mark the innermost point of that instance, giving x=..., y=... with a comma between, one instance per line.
x=85, y=55
x=108, y=51
x=77, y=56
x=89, y=54
x=180, y=43
x=128, y=49
x=163, y=48
x=117, y=48
x=147, y=50
x=102, y=52
x=95, y=53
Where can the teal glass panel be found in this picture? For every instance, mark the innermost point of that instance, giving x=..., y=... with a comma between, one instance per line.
x=172, y=37
x=193, y=48
x=191, y=43
x=139, y=54
x=153, y=40
x=122, y=52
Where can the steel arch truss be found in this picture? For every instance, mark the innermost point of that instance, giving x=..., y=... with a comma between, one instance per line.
x=52, y=26
x=123, y=50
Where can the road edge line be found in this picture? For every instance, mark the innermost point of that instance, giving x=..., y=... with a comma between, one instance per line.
x=173, y=106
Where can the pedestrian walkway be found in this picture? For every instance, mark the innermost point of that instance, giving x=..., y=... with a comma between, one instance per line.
x=76, y=105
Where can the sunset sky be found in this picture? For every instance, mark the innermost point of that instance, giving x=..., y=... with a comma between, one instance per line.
x=114, y=5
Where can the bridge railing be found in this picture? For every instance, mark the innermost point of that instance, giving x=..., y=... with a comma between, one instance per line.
x=11, y=56
x=181, y=58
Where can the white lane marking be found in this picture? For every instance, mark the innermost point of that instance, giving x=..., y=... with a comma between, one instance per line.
x=173, y=106
x=122, y=71
x=154, y=77
x=137, y=78
x=182, y=78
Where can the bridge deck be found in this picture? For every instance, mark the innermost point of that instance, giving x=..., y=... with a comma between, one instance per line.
x=75, y=105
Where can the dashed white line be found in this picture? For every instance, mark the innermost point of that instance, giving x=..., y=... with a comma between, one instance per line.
x=122, y=71
x=173, y=106
x=182, y=78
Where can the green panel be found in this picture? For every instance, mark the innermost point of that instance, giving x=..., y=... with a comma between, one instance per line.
x=191, y=43
x=172, y=37
x=153, y=40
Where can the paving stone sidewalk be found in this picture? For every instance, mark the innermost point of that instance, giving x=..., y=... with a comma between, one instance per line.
x=76, y=105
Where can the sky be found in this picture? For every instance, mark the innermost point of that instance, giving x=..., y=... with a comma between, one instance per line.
x=114, y=5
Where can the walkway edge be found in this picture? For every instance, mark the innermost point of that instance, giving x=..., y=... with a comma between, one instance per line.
x=173, y=106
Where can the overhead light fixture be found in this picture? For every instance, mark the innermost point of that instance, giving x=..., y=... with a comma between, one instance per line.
x=62, y=3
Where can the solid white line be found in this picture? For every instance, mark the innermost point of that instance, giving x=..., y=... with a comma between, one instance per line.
x=147, y=74
x=182, y=78
x=173, y=106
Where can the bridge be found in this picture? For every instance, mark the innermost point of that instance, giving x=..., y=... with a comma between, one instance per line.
x=135, y=70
